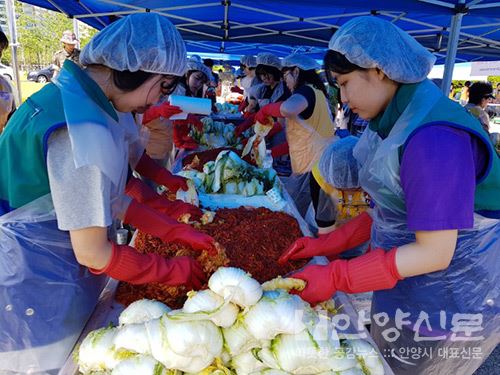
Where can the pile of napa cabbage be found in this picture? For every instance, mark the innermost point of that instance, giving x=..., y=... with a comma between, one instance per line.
x=237, y=326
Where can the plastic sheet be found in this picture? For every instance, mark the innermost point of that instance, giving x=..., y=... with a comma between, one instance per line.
x=298, y=187
x=46, y=297
x=338, y=166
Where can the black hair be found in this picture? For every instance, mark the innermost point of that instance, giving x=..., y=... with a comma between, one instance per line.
x=467, y=83
x=129, y=81
x=4, y=43
x=308, y=77
x=336, y=62
x=185, y=82
x=208, y=62
x=478, y=91
x=267, y=69
x=190, y=72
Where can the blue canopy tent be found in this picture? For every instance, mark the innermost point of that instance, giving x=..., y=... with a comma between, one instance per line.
x=454, y=30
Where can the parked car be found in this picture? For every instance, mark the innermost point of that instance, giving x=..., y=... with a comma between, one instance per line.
x=43, y=75
x=6, y=71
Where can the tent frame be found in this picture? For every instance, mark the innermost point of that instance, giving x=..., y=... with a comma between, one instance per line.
x=458, y=37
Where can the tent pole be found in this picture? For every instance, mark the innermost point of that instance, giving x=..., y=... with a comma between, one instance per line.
x=11, y=16
x=456, y=23
x=76, y=31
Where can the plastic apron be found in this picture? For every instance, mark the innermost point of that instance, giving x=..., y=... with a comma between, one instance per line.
x=306, y=146
x=46, y=297
x=441, y=303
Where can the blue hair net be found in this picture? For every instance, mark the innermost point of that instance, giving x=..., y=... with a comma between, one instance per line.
x=338, y=166
x=249, y=60
x=371, y=42
x=142, y=41
x=266, y=58
x=303, y=62
x=195, y=63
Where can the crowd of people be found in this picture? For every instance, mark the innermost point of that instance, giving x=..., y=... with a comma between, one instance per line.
x=424, y=169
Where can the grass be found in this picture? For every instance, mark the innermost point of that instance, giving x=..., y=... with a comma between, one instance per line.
x=28, y=88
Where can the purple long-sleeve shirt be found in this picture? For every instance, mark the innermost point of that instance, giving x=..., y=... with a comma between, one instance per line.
x=439, y=168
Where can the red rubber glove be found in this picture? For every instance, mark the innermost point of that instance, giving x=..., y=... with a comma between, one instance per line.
x=159, y=225
x=375, y=270
x=242, y=105
x=277, y=127
x=246, y=124
x=127, y=264
x=182, y=129
x=164, y=110
x=351, y=234
x=142, y=193
x=280, y=150
x=148, y=168
x=269, y=110
x=237, y=89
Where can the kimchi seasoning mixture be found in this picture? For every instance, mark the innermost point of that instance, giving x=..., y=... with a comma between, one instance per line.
x=250, y=239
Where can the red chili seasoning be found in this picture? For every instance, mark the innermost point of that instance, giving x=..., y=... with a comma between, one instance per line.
x=252, y=239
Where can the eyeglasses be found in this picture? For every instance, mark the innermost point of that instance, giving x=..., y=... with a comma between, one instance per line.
x=168, y=86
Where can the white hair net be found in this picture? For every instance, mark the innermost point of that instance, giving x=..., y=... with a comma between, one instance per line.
x=303, y=62
x=194, y=64
x=266, y=58
x=249, y=61
x=142, y=41
x=338, y=166
x=196, y=58
x=371, y=42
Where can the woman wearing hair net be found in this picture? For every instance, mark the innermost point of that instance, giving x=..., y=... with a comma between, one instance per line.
x=309, y=130
x=434, y=178
x=196, y=80
x=195, y=84
x=248, y=64
x=271, y=90
x=80, y=142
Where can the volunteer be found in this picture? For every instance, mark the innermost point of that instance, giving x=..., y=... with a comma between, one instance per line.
x=248, y=64
x=78, y=141
x=271, y=90
x=309, y=130
x=196, y=80
x=434, y=178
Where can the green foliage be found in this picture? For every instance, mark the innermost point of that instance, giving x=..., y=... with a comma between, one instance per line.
x=39, y=36
x=495, y=80
x=86, y=36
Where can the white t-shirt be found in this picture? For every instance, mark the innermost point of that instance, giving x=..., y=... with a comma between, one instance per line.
x=81, y=196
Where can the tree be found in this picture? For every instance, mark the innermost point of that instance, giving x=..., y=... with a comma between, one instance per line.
x=39, y=35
